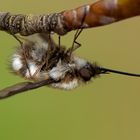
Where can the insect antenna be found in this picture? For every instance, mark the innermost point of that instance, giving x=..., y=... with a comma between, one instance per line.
x=106, y=71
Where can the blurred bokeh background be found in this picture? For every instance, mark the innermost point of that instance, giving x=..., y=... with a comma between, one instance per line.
x=108, y=108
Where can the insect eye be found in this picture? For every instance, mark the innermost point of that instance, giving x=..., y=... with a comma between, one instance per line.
x=85, y=73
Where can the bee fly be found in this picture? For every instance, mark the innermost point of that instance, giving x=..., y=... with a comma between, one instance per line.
x=42, y=59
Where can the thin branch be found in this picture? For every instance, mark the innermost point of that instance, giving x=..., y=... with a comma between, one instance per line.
x=99, y=13
x=22, y=87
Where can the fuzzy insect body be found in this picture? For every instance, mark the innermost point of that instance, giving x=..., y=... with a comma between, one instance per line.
x=45, y=60
x=55, y=63
x=99, y=13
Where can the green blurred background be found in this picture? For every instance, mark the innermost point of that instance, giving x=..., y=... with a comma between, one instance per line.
x=105, y=109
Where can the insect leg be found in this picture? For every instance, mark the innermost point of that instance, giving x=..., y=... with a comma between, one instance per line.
x=77, y=34
x=59, y=41
x=50, y=48
x=24, y=54
x=73, y=47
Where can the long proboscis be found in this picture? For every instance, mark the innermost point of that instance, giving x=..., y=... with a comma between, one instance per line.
x=107, y=70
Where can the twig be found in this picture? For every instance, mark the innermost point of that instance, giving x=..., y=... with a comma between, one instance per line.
x=99, y=13
x=22, y=87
